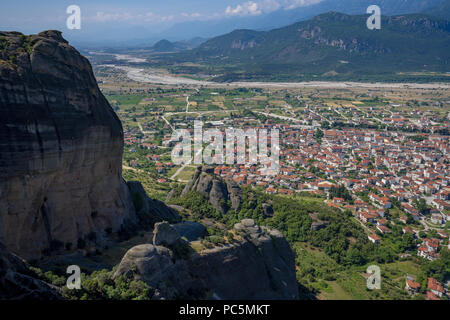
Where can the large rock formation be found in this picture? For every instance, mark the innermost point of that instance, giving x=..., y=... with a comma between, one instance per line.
x=258, y=265
x=167, y=278
x=150, y=210
x=17, y=282
x=61, y=148
x=261, y=266
x=165, y=234
x=217, y=191
x=191, y=230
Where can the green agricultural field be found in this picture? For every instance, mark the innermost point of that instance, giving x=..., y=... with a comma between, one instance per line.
x=125, y=99
x=154, y=190
x=186, y=173
x=328, y=280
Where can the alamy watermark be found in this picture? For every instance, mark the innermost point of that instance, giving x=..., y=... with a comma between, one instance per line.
x=74, y=20
x=374, y=280
x=74, y=280
x=374, y=21
x=248, y=147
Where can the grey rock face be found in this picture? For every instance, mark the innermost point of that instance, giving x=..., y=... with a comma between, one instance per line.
x=217, y=191
x=204, y=184
x=268, y=210
x=165, y=234
x=248, y=222
x=235, y=193
x=18, y=283
x=191, y=230
x=61, y=148
x=154, y=266
x=150, y=210
x=259, y=266
x=218, y=195
x=145, y=262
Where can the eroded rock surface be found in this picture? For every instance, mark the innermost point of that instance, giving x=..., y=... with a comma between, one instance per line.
x=218, y=192
x=149, y=209
x=165, y=234
x=261, y=266
x=61, y=148
x=258, y=265
x=17, y=282
x=191, y=230
x=154, y=265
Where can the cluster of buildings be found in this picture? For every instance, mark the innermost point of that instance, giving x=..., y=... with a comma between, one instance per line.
x=429, y=249
x=385, y=165
x=434, y=289
x=385, y=172
x=392, y=176
x=398, y=175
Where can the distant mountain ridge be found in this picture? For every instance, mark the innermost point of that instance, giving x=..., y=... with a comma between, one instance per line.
x=168, y=46
x=164, y=46
x=332, y=44
x=140, y=35
x=283, y=17
x=441, y=9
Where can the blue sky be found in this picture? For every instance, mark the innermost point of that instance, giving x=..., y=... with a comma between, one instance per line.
x=35, y=15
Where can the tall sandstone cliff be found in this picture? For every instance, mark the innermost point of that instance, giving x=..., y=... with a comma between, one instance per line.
x=61, y=148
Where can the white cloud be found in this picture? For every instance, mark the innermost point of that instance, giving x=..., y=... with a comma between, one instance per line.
x=266, y=6
x=248, y=8
x=104, y=17
x=253, y=8
x=292, y=4
x=245, y=9
x=192, y=15
x=270, y=5
x=166, y=18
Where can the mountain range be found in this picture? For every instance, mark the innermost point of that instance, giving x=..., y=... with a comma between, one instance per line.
x=122, y=35
x=332, y=45
x=168, y=46
x=283, y=17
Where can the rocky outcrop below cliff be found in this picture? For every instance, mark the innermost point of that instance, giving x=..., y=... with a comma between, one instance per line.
x=61, y=149
x=220, y=193
x=17, y=282
x=259, y=264
x=150, y=210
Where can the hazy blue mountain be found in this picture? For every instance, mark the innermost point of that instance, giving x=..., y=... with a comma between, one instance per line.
x=167, y=46
x=442, y=9
x=125, y=35
x=164, y=46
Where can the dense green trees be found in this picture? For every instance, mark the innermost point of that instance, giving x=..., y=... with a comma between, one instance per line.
x=342, y=239
x=421, y=205
x=197, y=204
x=98, y=285
x=341, y=192
x=440, y=268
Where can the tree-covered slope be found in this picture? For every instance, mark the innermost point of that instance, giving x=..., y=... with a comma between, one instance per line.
x=331, y=45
